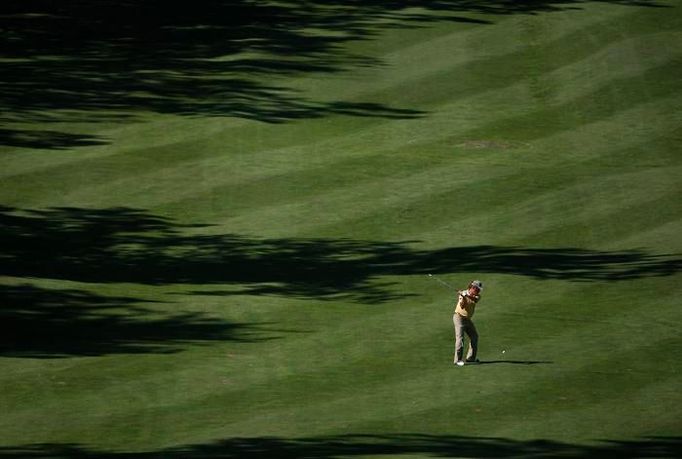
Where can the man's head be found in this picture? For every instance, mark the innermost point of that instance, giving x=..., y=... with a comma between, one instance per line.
x=475, y=287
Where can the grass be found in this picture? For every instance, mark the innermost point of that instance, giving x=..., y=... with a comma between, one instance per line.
x=216, y=230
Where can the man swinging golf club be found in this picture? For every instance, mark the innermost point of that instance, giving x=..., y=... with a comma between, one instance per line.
x=464, y=311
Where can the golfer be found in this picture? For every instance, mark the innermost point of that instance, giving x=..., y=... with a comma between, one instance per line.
x=464, y=312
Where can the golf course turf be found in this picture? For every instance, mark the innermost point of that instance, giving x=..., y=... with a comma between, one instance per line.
x=218, y=220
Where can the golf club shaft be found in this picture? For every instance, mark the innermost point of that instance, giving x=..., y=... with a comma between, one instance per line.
x=442, y=282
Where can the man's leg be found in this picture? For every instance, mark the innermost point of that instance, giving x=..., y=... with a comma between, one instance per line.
x=473, y=341
x=459, y=337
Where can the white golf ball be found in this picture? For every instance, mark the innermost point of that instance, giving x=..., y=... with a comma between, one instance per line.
x=504, y=351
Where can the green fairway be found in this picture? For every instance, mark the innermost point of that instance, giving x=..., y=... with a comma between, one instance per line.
x=218, y=221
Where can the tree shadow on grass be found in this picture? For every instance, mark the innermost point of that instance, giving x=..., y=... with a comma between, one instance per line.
x=54, y=140
x=75, y=61
x=53, y=323
x=397, y=445
x=134, y=246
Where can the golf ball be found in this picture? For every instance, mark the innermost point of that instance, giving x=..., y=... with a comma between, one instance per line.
x=503, y=351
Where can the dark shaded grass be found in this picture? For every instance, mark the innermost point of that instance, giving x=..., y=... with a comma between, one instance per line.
x=133, y=245
x=371, y=445
x=52, y=323
x=55, y=140
x=74, y=61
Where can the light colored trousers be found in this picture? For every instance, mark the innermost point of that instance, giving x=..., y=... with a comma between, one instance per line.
x=462, y=326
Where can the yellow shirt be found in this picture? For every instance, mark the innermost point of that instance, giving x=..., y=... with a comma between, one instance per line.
x=466, y=304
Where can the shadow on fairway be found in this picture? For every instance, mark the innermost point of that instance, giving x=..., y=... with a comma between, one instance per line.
x=47, y=139
x=50, y=323
x=370, y=445
x=94, y=61
x=134, y=246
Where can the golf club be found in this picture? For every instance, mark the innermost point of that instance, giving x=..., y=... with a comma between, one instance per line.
x=442, y=282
